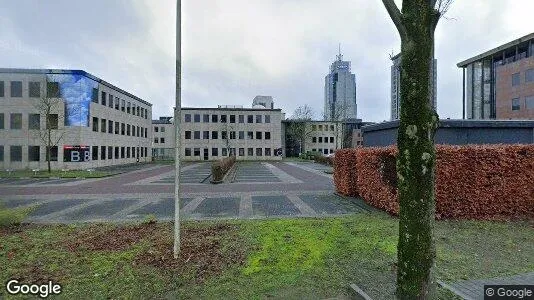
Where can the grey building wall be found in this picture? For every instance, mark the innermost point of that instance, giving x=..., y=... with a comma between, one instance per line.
x=340, y=92
x=458, y=132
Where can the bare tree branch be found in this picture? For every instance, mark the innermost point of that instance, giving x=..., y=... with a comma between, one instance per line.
x=396, y=16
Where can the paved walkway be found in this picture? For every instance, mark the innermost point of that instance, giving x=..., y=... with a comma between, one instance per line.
x=259, y=190
x=474, y=289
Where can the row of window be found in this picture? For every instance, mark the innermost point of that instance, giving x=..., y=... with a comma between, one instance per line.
x=324, y=151
x=321, y=139
x=119, y=128
x=225, y=118
x=529, y=77
x=159, y=129
x=128, y=107
x=230, y=152
x=34, y=153
x=34, y=121
x=529, y=103
x=322, y=127
x=34, y=89
x=228, y=135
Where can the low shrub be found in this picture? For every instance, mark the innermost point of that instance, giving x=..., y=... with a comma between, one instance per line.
x=13, y=216
x=221, y=167
x=324, y=160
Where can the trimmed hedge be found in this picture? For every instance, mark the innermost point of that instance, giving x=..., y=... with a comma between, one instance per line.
x=472, y=182
x=219, y=168
x=324, y=160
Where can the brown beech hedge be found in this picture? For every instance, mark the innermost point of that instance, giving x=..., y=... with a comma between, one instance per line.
x=472, y=182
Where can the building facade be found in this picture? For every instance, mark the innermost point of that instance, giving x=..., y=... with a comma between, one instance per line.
x=395, y=86
x=163, y=139
x=92, y=122
x=340, y=92
x=499, y=83
x=247, y=133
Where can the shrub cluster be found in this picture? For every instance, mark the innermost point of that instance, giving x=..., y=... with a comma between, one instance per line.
x=472, y=182
x=324, y=160
x=219, y=168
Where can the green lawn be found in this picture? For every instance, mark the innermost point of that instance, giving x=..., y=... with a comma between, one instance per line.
x=56, y=173
x=252, y=259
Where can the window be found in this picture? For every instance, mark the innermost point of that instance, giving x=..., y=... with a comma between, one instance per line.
x=34, y=121
x=116, y=127
x=110, y=152
x=214, y=119
x=2, y=91
x=52, y=121
x=128, y=152
x=331, y=139
x=258, y=135
x=156, y=140
x=516, y=80
x=139, y=131
x=267, y=119
x=320, y=127
x=250, y=119
x=232, y=118
x=314, y=140
x=2, y=121
x=214, y=135
x=232, y=135
x=133, y=130
x=123, y=128
x=331, y=127
x=206, y=135
x=94, y=153
x=117, y=103
x=117, y=153
x=162, y=140
x=95, y=124
x=241, y=135
x=314, y=127
x=34, y=153
x=187, y=151
x=197, y=135
x=103, y=152
x=16, y=121
x=529, y=75
x=258, y=152
x=196, y=151
x=15, y=153
x=103, y=125
x=224, y=135
x=110, y=102
x=53, y=153
x=223, y=119
x=258, y=118
x=128, y=129
x=52, y=89
x=103, y=98
x=206, y=118
x=214, y=151
x=110, y=127
x=138, y=113
x=156, y=129
x=123, y=105
x=241, y=151
x=16, y=89
x=1, y=152
x=267, y=135
x=267, y=151
x=197, y=118
x=325, y=151
x=146, y=134
x=250, y=152
x=331, y=150
x=224, y=152
x=325, y=127
x=515, y=104
x=35, y=89
x=188, y=135
x=320, y=139
x=241, y=118
x=250, y=135
x=122, y=153
x=529, y=101
x=129, y=108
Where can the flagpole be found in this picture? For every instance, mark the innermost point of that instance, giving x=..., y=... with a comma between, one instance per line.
x=177, y=128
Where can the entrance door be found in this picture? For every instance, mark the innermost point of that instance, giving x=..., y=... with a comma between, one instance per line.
x=206, y=157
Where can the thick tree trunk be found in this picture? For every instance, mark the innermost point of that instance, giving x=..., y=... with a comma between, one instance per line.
x=416, y=158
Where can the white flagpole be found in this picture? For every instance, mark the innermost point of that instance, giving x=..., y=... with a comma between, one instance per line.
x=177, y=128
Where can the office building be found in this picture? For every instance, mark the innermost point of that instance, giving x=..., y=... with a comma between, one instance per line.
x=395, y=86
x=92, y=122
x=340, y=91
x=499, y=83
x=163, y=140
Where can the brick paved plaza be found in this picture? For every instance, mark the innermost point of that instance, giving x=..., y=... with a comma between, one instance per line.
x=256, y=190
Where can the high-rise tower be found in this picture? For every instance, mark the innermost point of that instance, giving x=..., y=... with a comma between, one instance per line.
x=340, y=91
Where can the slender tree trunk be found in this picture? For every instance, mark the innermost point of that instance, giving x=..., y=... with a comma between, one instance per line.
x=416, y=158
x=49, y=150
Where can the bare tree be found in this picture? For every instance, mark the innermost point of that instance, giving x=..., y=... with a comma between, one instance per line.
x=338, y=114
x=416, y=159
x=228, y=129
x=300, y=128
x=51, y=107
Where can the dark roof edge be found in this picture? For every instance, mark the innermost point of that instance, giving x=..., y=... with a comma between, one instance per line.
x=230, y=108
x=458, y=123
x=496, y=50
x=77, y=72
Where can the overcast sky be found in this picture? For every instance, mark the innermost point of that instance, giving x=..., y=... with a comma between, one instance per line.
x=233, y=50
